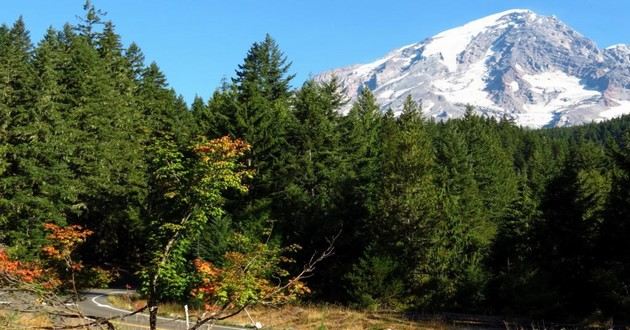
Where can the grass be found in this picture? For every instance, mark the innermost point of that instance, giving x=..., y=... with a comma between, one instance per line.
x=325, y=317
x=16, y=320
x=294, y=317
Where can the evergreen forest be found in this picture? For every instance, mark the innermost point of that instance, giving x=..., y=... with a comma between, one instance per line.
x=471, y=215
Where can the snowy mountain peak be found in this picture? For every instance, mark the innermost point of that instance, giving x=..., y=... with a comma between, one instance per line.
x=532, y=68
x=622, y=47
x=451, y=43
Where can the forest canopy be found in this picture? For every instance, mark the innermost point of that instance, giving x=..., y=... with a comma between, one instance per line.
x=470, y=215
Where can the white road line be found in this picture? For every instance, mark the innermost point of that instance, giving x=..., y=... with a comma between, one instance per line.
x=107, y=306
x=141, y=314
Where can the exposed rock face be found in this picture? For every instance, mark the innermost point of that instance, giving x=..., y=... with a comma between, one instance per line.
x=531, y=68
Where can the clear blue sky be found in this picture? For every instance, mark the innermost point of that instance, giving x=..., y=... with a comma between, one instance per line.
x=196, y=43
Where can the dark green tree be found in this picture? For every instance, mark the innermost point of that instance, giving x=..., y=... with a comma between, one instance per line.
x=312, y=203
x=256, y=107
x=454, y=275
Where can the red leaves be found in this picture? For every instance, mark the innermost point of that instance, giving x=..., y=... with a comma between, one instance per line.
x=63, y=241
x=20, y=271
x=17, y=272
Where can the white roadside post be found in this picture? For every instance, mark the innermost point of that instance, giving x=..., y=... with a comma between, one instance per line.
x=257, y=325
x=187, y=319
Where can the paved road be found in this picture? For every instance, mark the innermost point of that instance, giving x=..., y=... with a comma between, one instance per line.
x=96, y=304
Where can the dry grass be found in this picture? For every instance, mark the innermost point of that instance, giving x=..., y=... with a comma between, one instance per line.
x=12, y=320
x=324, y=317
x=318, y=317
x=15, y=320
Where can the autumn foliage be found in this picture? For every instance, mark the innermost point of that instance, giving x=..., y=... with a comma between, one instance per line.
x=13, y=270
x=249, y=275
x=63, y=241
x=223, y=148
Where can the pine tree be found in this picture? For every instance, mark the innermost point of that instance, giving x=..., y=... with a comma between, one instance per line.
x=573, y=209
x=406, y=213
x=363, y=147
x=256, y=108
x=118, y=67
x=517, y=282
x=454, y=275
x=262, y=117
x=5, y=114
x=614, y=254
x=316, y=142
x=166, y=112
x=17, y=93
x=359, y=171
x=492, y=165
x=311, y=202
x=199, y=112
x=218, y=119
x=135, y=59
x=88, y=26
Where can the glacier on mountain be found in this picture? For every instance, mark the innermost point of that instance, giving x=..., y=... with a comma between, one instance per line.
x=517, y=64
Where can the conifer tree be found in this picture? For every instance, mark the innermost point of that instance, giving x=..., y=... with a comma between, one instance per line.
x=363, y=124
x=517, y=282
x=360, y=170
x=454, y=273
x=316, y=141
x=312, y=205
x=406, y=213
x=166, y=112
x=256, y=107
x=89, y=24
x=261, y=116
x=218, y=119
x=17, y=92
x=135, y=58
x=614, y=253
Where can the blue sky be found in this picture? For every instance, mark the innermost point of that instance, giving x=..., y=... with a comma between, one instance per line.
x=197, y=43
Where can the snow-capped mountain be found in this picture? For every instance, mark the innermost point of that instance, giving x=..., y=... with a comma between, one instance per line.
x=532, y=68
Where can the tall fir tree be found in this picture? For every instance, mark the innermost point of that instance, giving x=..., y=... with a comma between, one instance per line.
x=256, y=107
x=454, y=275
x=312, y=210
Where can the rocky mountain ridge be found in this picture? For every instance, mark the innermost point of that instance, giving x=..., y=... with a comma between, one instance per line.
x=533, y=69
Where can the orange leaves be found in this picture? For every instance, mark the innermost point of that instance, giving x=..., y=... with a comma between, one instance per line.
x=68, y=236
x=226, y=147
x=207, y=269
x=207, y=287
x=20, y=271
x=64, y=240
x=223, y=153
x=51, y=251
x=15, y=272
x=251, y=273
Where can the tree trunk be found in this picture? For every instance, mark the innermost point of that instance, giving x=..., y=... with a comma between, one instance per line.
x=153, y=309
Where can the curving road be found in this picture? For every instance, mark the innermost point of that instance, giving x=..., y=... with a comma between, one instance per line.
x=95, y=304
